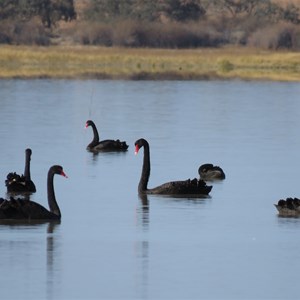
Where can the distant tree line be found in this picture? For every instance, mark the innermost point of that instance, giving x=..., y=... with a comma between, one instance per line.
x=145, y=10
x=144, y=23
x=187, y=10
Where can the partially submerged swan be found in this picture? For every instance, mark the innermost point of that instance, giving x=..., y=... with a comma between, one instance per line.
x=290, y=207
x=184, y=187
x=210, y=172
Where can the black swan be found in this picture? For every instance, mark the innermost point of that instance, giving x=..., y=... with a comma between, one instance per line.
x=105, y=145
x=210, y=172
x=290, y=207
x=186, y=187
x=21, y=183
x=20, y=209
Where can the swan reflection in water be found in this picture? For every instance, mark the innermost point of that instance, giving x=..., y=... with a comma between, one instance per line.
x=142, y=212
x=26, y=249
x=52, y=253
x=93, y=157
x=141, y=248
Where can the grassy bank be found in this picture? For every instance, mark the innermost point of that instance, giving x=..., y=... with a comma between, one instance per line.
x=124, y=63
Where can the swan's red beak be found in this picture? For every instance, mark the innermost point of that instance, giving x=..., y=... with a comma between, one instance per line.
x=137, y=148
x=62, y=173
x=86, y=125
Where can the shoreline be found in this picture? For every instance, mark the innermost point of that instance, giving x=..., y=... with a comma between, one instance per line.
x=91, y=62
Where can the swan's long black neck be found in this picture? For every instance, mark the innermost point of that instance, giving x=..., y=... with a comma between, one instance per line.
x=96, y=134
x=143, y=184
x=51, y=195
x=27, y=166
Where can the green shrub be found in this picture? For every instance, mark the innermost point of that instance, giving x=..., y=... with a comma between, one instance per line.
x=225, y=66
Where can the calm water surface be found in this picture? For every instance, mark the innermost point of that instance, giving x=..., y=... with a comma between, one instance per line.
x=109, y=243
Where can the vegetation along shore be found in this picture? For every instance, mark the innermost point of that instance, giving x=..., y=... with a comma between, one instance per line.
x=140, y=39
x=141, y=64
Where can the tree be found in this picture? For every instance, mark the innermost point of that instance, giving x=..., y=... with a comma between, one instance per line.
x=291, y=14
x=235, y=7
x=106, y=10
x=52, y=11
x=8, y=8
x=49, y=11
x=145, y=10
x=183, y=10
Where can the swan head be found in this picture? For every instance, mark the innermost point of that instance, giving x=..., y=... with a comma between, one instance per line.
x=88, y=123
x=139, y=144
x=59, y=170
x=28, y=151
x=204, y=168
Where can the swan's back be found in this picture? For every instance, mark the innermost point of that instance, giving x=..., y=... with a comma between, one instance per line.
x=18, y=183
x=13, y=178
x=11, y=209
x=20, y=209
x=183, y=187
x=108, y=145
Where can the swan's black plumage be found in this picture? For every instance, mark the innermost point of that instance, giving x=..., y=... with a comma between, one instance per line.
x=106, y=145
x=21, y=183
x=211, y=172
x=20, y=209
x=288, y=207
x=184, y=187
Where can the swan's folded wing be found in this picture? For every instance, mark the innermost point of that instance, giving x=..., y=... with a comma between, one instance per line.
x=183, y=187
x=109, y=145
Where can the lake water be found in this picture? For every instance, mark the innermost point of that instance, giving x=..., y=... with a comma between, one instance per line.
x=109, y=243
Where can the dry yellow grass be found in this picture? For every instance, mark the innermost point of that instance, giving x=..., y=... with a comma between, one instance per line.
x=117, y=63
